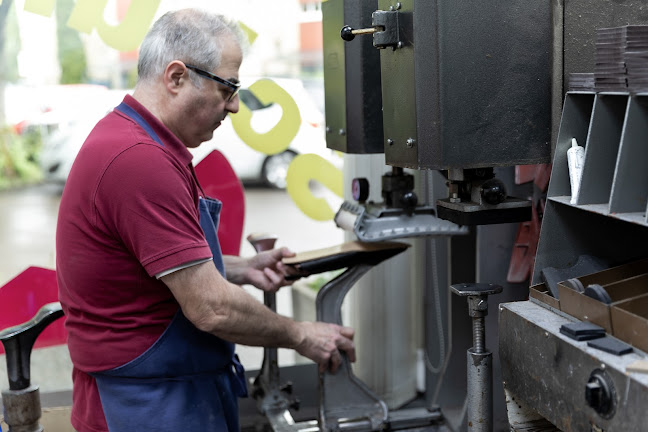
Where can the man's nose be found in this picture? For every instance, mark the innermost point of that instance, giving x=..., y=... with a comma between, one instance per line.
x=233, y=105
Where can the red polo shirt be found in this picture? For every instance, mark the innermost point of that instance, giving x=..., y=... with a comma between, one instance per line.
x=129, y=211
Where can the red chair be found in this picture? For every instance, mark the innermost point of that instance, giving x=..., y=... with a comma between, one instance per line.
x=219, y=181
x=23, y=296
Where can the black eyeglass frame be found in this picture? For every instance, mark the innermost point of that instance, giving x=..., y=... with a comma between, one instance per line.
x=234, y=87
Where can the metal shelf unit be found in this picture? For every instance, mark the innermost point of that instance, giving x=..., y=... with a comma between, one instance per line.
x=610, y=216
x=544, y=372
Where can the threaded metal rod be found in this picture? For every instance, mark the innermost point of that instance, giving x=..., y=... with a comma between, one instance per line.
x=479, y=335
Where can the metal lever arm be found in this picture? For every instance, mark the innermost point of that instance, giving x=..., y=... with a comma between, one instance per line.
x=19, y=340
x=267, y=390
x=345, y=401
x=344, y=397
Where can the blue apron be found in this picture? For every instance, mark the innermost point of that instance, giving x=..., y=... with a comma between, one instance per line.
x=188, y=380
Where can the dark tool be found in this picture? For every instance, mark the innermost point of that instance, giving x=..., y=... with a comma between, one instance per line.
x=21, y=401
x=479, y=359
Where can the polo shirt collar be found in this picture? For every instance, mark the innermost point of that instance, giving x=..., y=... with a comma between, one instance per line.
x=170, y=141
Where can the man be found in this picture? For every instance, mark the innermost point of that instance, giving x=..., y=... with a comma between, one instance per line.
x=150, y=317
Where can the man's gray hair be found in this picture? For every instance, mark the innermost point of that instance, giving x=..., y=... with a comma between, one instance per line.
x=193, y=36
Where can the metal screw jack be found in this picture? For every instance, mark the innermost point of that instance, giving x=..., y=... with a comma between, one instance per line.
x=479, y=359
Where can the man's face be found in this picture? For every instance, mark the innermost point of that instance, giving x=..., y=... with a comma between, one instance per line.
x=206, y=107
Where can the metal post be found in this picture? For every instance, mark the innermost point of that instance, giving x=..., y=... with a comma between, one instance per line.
x=479, y=359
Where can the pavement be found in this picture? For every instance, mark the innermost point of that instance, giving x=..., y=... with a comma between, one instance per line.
x=27, y=238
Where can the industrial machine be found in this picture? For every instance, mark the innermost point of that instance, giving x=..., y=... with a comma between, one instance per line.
x=457, y=94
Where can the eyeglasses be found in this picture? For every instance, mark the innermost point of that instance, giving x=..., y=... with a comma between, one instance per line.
x=232, y=86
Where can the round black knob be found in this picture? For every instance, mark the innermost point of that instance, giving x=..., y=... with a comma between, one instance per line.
x=360, y=189
x=287, y=388
x=347, y=33
x=493, y=191
x=409, y=201
x=600, y=394
x=295, y=404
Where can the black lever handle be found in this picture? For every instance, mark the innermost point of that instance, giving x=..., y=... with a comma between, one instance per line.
x=385, y=29
x=19, y=340
x=348, y=34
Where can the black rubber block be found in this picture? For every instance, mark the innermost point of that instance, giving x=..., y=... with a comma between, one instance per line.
x=611, y=345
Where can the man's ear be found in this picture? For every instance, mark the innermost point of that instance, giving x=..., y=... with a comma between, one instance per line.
x=175, y=76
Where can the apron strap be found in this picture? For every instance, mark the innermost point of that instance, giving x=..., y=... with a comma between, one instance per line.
x=134, y=115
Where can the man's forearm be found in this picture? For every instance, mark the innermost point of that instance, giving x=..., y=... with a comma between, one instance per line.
x=235, y=269
x=216, y=306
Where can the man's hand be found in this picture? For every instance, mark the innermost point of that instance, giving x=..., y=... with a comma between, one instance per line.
x=264, y=270
x=322, y=343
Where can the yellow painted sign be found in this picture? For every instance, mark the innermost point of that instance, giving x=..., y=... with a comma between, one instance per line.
x=126, y=36
x=40, y=7
x=301, y=171
x=251, y=34
x=281, y=135
x=87, y=15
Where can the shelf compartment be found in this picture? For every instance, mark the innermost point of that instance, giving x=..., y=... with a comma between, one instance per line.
x=575, y=122
x=569, y=231
x=630, y=186
x=603, y=209
x=602, y=148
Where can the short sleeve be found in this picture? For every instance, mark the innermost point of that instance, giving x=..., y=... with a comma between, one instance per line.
x=148, y=201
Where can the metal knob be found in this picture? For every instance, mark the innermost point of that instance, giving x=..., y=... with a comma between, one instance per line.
x=493, y=191
x=600, y=394
x=408, y=201
x=360, y=189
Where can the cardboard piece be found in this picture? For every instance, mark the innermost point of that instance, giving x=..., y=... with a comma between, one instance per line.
x=54, y=419
x=541, y=293
x=640, y=366
x=630, y=321
x=57, y=419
